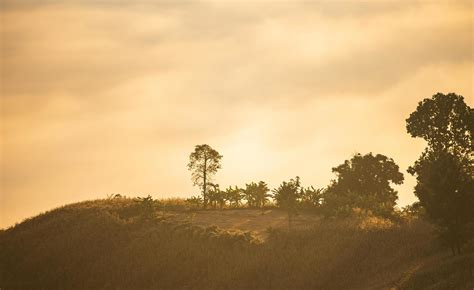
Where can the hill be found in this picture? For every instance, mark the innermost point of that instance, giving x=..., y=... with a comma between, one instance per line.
x=121, y=244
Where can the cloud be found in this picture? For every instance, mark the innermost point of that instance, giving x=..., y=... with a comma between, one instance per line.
x=84, y=49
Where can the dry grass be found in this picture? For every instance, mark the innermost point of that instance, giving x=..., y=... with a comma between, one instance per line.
x=110, y=244
x=256, y=221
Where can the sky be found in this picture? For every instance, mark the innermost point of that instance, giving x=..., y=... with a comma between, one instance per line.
x=102, y=97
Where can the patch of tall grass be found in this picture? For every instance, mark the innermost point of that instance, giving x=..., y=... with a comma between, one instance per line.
x=110, y=244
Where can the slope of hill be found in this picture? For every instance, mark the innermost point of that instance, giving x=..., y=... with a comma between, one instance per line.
x=111, y=244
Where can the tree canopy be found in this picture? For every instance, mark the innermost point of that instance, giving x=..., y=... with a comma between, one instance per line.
x=364, y=182
x=445, y=122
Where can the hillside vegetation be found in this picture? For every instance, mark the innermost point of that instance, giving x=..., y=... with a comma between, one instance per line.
x=119, y=244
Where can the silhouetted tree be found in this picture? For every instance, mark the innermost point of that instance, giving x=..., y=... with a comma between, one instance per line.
x=261, y=194
x=256, y=194
x=146, y=206
x=203, y=163
x=195, y=201
x=446, y=122
x=212, y=193
x=363, y=182
x=216, y=196
x=234, y=196
x=445, y=170
x=446, y=190
x=287, y=196
x=249, y=194
x=311, y=197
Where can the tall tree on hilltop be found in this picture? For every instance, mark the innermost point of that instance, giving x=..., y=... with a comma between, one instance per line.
x=445, y=170
x=203, y=164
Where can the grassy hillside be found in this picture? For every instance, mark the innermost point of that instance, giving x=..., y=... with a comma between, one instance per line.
x=112, y=244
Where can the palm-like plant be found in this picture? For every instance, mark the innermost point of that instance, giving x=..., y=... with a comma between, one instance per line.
x=257, y=194
x=287, y=196
x=262, y=194
x=195, y=201
x=216, y=196
x=311, y=197
x=233, y=195
x=250, y=193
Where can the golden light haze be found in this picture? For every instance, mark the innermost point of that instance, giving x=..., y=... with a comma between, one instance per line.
x=102, y=97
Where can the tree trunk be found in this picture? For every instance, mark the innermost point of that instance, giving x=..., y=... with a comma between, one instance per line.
x=204, y=183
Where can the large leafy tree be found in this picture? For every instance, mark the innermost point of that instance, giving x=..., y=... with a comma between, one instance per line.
x=364, y=182
x=445, y=170
x=203, y=164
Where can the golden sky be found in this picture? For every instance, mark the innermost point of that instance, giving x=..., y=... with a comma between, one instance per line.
x=101, y=97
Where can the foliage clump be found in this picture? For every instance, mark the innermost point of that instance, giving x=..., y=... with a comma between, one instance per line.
x=445, y=169
x=364, y=182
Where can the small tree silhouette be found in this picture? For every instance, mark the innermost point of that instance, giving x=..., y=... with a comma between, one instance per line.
x=256, y=194
x=216, y=196
x=311, y=197
x=234, y=196
x=146, y=206
x=195, y=201
x=287, y=196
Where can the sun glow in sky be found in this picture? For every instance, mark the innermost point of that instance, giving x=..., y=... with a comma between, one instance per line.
x=101, y=97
